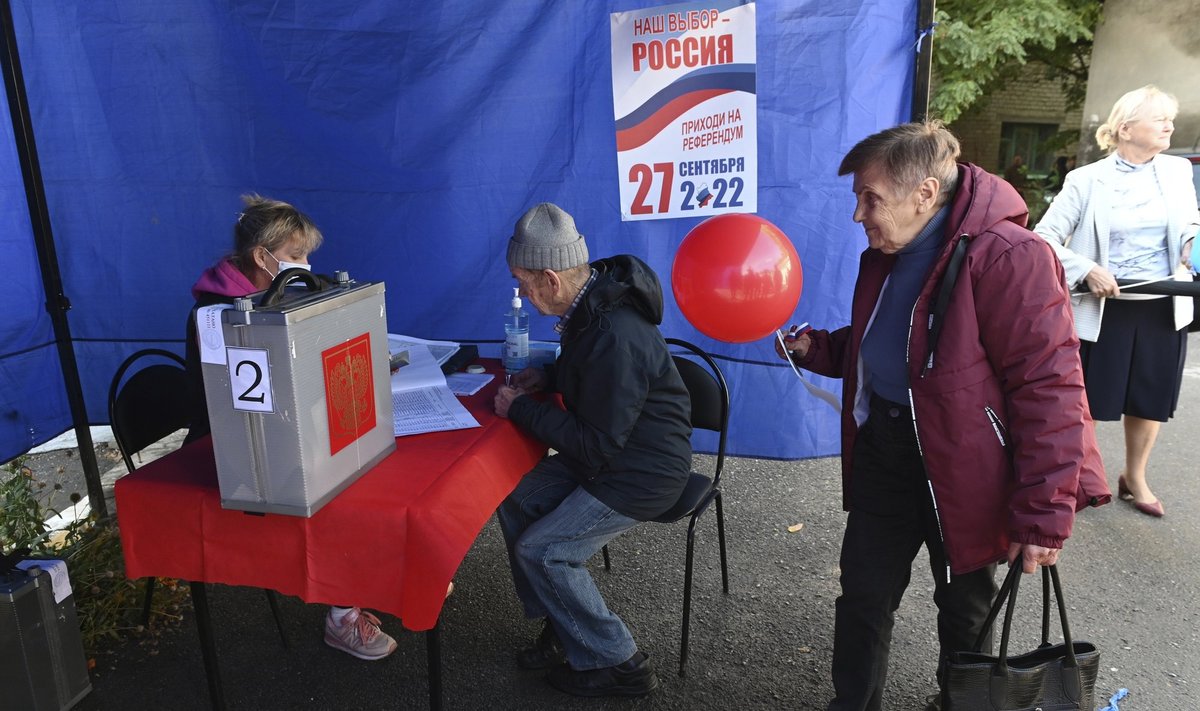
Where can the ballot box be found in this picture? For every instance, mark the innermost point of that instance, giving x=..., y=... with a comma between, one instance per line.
x=42, y=664
x=297, y=385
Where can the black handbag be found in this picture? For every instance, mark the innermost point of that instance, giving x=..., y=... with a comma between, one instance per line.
x=1051, y=677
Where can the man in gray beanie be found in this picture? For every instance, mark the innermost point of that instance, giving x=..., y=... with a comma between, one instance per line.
x=622, y=443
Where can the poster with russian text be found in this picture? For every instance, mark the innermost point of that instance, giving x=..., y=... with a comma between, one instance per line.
x=685, y=108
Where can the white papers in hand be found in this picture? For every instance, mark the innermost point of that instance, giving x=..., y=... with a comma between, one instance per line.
x=421, y=400
x=820, y=393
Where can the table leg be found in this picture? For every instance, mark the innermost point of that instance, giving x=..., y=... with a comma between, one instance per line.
x=433, y=649
x=207, y=647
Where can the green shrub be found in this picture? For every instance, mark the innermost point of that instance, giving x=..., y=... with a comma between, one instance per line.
x=109, y=605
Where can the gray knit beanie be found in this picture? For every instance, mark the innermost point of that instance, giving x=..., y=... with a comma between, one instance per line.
x=545, y=238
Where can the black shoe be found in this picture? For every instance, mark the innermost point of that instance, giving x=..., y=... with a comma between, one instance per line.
x=547, y=650
x=632, y=677
x=933, y=702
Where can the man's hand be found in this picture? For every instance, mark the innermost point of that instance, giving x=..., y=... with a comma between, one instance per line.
x=531, y=380
x=1101, y=282
x=504, y=398
x=1031, y=556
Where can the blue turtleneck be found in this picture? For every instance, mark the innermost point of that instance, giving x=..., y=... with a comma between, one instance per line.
x=884, y=348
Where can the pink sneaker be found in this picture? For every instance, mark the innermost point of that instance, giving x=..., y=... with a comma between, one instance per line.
x=358, y=635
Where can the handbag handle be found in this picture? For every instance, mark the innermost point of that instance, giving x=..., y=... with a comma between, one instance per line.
x=275, y=293
x=1009, y=590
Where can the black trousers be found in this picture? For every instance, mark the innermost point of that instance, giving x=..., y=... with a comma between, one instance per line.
x=891, y=516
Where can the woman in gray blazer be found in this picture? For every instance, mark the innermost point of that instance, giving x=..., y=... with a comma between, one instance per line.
x=1131, y=215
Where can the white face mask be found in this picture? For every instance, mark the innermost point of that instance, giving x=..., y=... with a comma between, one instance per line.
x=285, y=265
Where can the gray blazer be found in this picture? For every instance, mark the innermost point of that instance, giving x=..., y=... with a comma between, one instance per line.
x=1077, y=223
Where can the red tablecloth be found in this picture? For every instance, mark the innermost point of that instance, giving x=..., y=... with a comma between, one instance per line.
x=391, y=541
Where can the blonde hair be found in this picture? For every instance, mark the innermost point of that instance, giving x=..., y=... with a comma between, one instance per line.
x=1134, y=106
x=908, y=154
x=271, y=224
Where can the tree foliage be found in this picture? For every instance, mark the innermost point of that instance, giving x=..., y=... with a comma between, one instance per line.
x=980, y=45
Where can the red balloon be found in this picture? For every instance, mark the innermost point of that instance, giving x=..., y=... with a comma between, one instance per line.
x=736, y=278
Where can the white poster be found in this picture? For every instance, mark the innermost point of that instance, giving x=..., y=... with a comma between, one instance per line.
x=686, y=115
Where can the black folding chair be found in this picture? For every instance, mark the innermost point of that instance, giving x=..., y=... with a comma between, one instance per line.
x=149, y=405
x=710, y=411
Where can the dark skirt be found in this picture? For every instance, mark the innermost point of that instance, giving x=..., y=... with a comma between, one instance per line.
x=1136, y=366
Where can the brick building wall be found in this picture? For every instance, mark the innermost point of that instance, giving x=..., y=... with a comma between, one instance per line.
x=1030, y=99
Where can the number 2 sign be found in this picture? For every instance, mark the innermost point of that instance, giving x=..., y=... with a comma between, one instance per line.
x=250, y=379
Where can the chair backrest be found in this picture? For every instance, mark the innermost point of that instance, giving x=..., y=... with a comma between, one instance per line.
x=709, y=393
x=149, y=405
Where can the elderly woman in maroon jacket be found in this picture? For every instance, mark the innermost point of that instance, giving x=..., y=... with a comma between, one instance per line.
x=965, y=425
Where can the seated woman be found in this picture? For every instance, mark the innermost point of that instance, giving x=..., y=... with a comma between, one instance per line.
x=268, y=237
x=271, y=236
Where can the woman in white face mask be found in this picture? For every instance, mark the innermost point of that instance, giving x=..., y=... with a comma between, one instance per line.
x=268, y=237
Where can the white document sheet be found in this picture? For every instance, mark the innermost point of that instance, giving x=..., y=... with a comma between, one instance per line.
x=468, y=383
x=209, y=334
x=831, y=399
x=441, y=350
x=421, y=399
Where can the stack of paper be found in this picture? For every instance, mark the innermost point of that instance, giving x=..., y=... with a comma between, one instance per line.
x=421, y=400
x=440, y=350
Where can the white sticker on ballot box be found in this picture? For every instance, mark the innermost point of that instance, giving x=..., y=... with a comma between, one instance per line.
x=250, y=379
x=209, y=334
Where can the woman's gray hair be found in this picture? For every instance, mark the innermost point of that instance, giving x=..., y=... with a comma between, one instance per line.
x=908, y=154
x=271, y=224
x=1134, y=106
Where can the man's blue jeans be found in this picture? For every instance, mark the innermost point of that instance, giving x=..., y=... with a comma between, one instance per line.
x=552, y=527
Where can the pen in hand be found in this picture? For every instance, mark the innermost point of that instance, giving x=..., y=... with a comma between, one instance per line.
x=797, y=331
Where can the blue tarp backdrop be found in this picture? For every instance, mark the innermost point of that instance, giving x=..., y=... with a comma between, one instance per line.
x=414, y=134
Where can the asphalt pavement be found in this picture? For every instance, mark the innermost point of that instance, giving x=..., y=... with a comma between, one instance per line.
x=1130, y=582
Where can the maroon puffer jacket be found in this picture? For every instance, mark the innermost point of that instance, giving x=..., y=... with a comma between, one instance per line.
x=1001, y=414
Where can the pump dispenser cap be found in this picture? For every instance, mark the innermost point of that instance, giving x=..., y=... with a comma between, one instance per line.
x=516, y=302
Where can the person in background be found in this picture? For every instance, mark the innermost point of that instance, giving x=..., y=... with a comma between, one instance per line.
x=269, y=237
x=974, y=443
x=1132, y=215
x=1015, y=173
x=1058, y=175
x=623, y=449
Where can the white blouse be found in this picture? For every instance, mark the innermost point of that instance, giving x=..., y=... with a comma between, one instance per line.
x=1138, y=229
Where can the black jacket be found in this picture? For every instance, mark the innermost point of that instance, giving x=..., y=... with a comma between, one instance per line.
x=626, y=430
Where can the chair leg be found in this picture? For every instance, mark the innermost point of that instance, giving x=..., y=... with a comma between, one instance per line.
x=607, y=562
x=687, y=597
x=721, y=541
x=275, y=613
x=149, y=599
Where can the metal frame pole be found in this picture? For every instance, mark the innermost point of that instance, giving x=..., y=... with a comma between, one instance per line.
x=57, y=302
x=924, y=62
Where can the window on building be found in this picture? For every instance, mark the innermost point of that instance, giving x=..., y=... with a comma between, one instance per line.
x=1031, y=142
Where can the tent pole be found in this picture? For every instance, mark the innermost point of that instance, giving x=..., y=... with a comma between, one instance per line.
x=924, y=63
x=57, y=302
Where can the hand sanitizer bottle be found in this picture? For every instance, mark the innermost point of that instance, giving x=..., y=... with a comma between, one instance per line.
x=516, y=336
